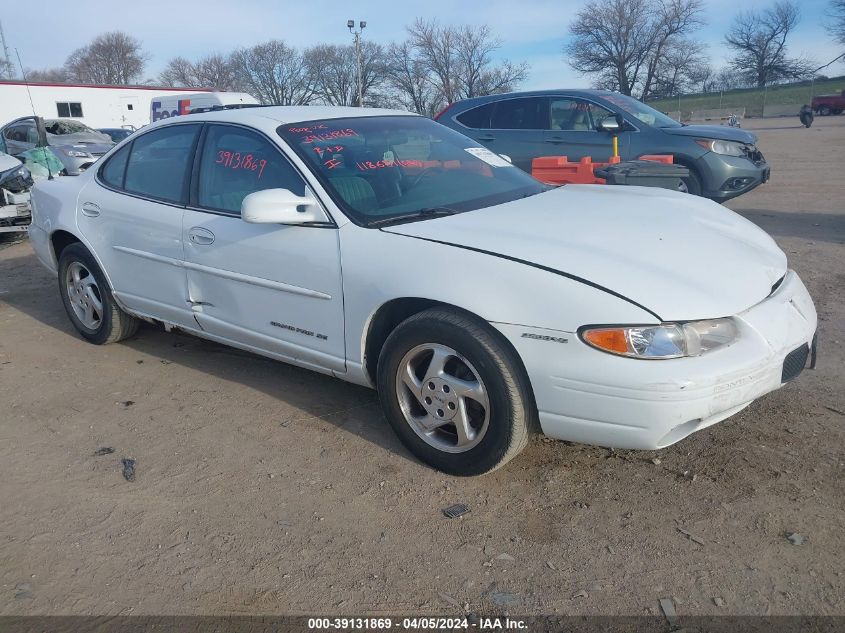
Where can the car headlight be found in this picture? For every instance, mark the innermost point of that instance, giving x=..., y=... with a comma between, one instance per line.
x=76, y=153
x=726, y=148
x=668, y=340
x=15, y=172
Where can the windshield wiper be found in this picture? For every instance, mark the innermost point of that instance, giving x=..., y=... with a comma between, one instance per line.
x=422, y=214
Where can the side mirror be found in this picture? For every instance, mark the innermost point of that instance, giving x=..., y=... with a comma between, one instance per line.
x=281, y=206
x=611, y=124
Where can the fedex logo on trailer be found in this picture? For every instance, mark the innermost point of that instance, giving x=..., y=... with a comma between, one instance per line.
x=182, y=107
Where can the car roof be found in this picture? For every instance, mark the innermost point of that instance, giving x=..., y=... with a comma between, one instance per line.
x=573, y=92
x=293, y=114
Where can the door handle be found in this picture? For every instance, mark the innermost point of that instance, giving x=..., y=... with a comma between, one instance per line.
x=200, y=236
x=90, y=209
x=555, y=141
x=487, y=138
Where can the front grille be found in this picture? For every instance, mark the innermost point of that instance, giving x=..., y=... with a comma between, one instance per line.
x=794, y=363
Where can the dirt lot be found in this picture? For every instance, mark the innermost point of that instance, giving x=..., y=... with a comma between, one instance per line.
x=264, y=489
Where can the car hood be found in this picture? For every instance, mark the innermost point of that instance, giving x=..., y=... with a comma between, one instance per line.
x=679, y=256
x=721, y=132
x=8, y=162
x=99, y=143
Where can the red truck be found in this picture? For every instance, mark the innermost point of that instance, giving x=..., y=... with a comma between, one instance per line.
x=829, y=104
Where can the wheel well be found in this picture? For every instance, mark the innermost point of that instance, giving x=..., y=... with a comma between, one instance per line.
x=384, y=322
x=392, y=313
x=61, y=240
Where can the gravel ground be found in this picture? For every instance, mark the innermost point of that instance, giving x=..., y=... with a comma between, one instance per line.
x=266, y=489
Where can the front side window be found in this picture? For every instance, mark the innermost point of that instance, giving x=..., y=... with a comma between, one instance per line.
x=235, y=163
x=160, y=162
x=396, y=168
x=528, y=113
x=575, y=115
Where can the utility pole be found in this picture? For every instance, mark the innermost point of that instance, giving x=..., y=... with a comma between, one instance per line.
x=350, y=24
x=5, y=52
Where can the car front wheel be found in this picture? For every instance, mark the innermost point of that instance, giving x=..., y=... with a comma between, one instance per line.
x=88, y=299
x=454, y=392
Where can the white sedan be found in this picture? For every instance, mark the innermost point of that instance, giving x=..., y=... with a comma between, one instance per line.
x=389, y=251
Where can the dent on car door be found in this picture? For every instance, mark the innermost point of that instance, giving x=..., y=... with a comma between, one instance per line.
x=268, y=286
x=132, y=216
x=574, y=130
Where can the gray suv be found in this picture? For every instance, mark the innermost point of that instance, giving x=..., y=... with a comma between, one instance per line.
x=74, y=143
x=724, y=162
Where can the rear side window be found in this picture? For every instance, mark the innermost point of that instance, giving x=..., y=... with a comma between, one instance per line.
x=477, y=118
x=115, y=168
x=529, y=113
x=160, y=162
x=235, y=163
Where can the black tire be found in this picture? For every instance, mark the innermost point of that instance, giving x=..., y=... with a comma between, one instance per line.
x=114, y=324
x=824, y=110
x=692, y=183
x=512, y=412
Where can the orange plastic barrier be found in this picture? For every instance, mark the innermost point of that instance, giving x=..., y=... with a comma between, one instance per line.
x=557, y=170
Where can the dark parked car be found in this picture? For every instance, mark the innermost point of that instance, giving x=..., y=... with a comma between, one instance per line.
x=116, y=134
x=74, y=143
x=724, y=162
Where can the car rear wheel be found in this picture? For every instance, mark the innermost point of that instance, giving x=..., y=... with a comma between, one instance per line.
x=454, y=392
x=88, y=299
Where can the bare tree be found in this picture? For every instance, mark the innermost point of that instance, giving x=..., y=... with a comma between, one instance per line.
x=408, y=79
x=212, y=71
x=112, y=58
x=335, y=70
x=48, y=75
x=681, y=70
x=178, y=73
x=625, y=44
x=456, y=62
x=274, y=73
x=759, y=39
x=836, y=20
x=477, y=74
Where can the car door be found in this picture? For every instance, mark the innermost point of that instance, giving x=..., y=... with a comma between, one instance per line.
x=131, y=214
x=574, y=130
x=516, y=128
x=20, y=137
x=271, y=287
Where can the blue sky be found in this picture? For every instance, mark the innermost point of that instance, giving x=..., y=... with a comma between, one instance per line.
x=531, y=30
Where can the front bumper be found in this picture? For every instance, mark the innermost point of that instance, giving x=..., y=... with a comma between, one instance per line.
x=726, y=177
x=588, y=396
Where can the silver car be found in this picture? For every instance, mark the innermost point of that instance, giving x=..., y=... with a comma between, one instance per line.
x=74, y=143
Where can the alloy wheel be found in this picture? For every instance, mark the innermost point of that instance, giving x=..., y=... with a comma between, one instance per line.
x=443, y=398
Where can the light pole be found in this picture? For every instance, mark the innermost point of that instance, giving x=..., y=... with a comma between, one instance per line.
x=350, y=24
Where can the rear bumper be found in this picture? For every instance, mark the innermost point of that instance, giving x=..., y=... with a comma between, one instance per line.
x=584, y=395
x=726, y=177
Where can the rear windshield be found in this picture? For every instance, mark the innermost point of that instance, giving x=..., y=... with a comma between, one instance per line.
x=382, y=167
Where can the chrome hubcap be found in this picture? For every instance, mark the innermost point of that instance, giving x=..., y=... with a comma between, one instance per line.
x=443, y=398
x=84, y=295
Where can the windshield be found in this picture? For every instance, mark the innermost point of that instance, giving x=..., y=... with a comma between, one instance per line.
x=403, y=167
x=641, y=111
x=63, y=126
